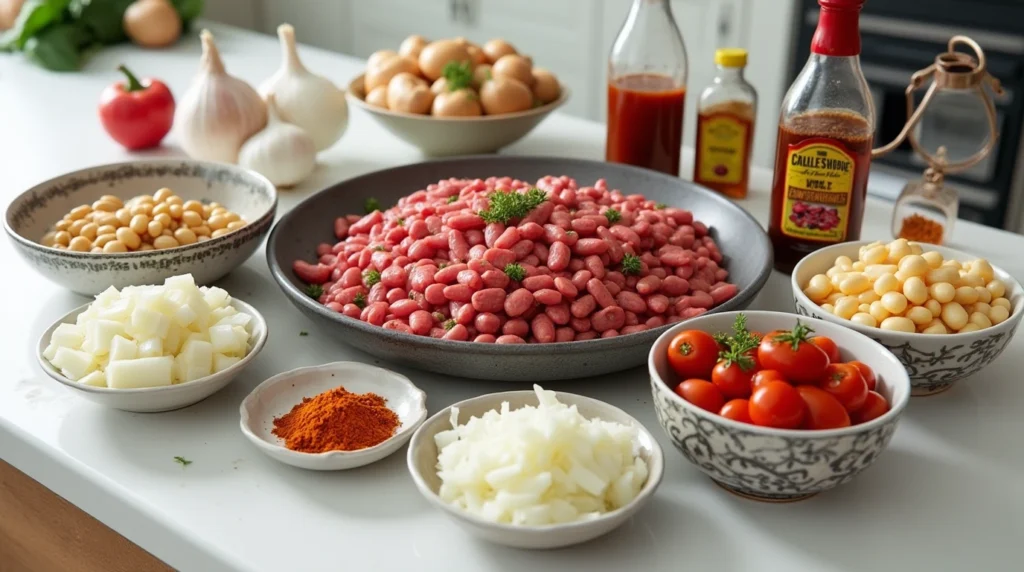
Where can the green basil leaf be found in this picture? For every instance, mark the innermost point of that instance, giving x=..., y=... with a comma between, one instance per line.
x=104, y=18
x=57, y=47
x=188, y=9
x=35, y=15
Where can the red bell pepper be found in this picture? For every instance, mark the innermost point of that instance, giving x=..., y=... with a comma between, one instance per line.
x=138, y=114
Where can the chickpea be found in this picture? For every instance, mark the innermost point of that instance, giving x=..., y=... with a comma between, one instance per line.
x=124, y=215
x=972, y=280
x=217, y=222
x=89, y=230
x=206, y=212
x=103, y=239
x=113, y=199
x=934, y=307
x=219, y=233
x=76, y=227
x=875, y=255
x=875, y=270
x=845, y=263
x=162, y=242
x=203, y=237
x=897, y=250
x=939, y=328
x=201, y=230
x=191, y=218
x=139, y=223
x=194, y=206
x=983, y=294
x=162, y=208
x=933, y=258
x=965, y=295
x=979, y=319
x=128, y=237
x=175, y=211
x=836, y=279
x=886, y=283
x=162, y=218
x=62, y=238
x=63, y=225
x=878, y=312
x=105, y=206
x=146, y=247
x=864, y=319
x=142, y=209
x=80, y=244
x=237, y=224
x=106, y=219
x=894, y=302
x=898, y=324
x=868, y=296
x=943, y=274
x=996, y=288
x=982, y=307
x=154, y=228
x=863, y=308
x=47, y=239
x=919, y=315
x=114, y=246
x=174, y=200
x=954, y=315
x=982, y=268
x=942, y=292
x=167, y=232
x=79, y=212
x=144, y=199
x=853, y=284
x=96, y=249
x=834, y=297
x=915, y=290
x=915, y=248
x=218, y=210
x=1002, y=302
x=845, y=308
x=184, y=236
x=162, y=195
x=106, y=229
x=969, y=328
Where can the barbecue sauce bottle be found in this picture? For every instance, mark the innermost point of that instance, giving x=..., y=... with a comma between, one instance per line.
x=824, y=146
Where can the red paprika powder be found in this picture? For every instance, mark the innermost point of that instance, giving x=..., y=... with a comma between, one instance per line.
x=337, y=420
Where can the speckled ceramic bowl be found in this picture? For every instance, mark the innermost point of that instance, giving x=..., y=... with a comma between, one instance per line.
x=934, y=362
x=34, y=212
x=777, y=465
x=745, y=246
x=440, y=136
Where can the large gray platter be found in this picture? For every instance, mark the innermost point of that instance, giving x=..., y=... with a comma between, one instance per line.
x=745, y=246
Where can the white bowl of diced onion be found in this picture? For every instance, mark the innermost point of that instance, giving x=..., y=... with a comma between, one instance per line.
x=964, y=334
x=485, y=473
x=147, y=349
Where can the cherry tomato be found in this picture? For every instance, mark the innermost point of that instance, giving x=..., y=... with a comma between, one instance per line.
x=874, y=407
x=737, y=410
x=764, y=376
x=692, y=354
x=828, y=346
x=823, y=410
x=866, y=373
x=844, y=382
x=777, y=404
x=792, y=355
x=701, y=393
x=732, y=379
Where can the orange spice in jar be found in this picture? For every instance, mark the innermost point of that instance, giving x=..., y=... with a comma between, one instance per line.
x=919, y=228
x=725, y=127
x=337, y=420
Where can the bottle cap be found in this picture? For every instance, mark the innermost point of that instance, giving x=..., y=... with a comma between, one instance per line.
x=842, y=4
x=731, y=57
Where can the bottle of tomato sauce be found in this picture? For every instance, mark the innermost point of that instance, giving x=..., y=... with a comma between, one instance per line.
x=824, y=146
x=647, y=89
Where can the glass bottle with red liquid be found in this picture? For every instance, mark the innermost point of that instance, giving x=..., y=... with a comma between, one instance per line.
x=647, y=89
x=824, y=146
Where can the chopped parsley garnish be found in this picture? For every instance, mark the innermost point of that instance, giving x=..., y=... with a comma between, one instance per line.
x=457, y=75
x=360, y=300
x=182, y=461
x=400, y=222
x=612, y=215
x=371, y=277
x=371, y=204
x=660, y=206
x=438, y=316
x=453, y=198
x=740, y=342
x=378, y=248
x=449, y=324
x=314, y=291
x=507, y=206
x=631, y=264
x=515, y=272
x=303, y=333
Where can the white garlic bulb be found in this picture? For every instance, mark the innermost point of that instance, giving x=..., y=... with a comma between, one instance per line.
x=283, y=153
x=305, y=99
x=219, y=112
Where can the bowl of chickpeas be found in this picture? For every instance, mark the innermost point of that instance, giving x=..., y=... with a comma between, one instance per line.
x=943, y=313
x=140, y=222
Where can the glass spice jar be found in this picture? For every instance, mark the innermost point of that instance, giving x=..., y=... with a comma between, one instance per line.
x=725, y=127
x=925, y=210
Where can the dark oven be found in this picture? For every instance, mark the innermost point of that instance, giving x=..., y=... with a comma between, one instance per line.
x=900, y=37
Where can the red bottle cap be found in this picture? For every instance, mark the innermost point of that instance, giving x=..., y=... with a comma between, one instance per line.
x=838, y=32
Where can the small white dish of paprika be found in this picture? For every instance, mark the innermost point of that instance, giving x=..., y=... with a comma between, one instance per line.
x=332, y=417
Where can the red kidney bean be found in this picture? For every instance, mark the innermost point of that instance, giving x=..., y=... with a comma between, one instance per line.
x=350, y=310
x=492, y=232
x=508, y=238
x=397, y=325
x=466, y=222
x=509, y=339
x=583, y=306
x=538, y=282
x=558, y=256
x=518, y=302
x=457, y=333
x=631, y=319
x=311, y=273
x=393, y=276
x=375, y=313
x=699, y=285
x=523, y=248
x=589, y=246
x=631, y=301
x=420, y=322
x=516, y=327
x=500, y=257
x=655, y=322
x=580, y=279
x=595, y=265
x=470, y=278
x=378, y=293
x=458, y=293
x=531, y=231
x=566, y=287
x=403, y=308
x=612, y=288
x=674, y=286
x=437, y=332
x=465, y=315
x=658, y=303
x=495, y=279
x=609, y=334
x=648, y=285
x=559, y=313
x=564, y=334
x=484, y=339
x=449, y=274
x=487, y=323
x=434, y=294
x=583, y=336
x=341, y=226
x=395, y=294
x=580, y=324
x=543, y=329
x=335, y=306
x=633, y=329
x=722, y=293
x=610, y=318
x=489, y=300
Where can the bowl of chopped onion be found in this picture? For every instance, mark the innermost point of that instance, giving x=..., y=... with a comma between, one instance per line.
x=535, y=469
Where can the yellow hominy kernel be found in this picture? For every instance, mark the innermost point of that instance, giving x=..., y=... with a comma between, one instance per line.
x=898, y=324
x=864, y=319
x=915, y=290
x=919, y=315
x=886, y=283
x=996, y=288
x=998, y=314
x=933, y=258
x=982, y=320
x=878, y=312
x=954, y=315
x=854, y=283
x=894, y=302
x=965, y=295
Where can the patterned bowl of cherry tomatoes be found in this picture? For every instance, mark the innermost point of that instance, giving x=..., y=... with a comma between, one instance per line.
x=774, y=406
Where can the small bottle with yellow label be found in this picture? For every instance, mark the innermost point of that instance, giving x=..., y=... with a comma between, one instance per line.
x=725, y=127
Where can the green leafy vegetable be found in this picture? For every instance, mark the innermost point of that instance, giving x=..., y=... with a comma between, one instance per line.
x=103, y=18
x=188, y=9
x=449, y=324
x=303, y=333
x=457, y=75
x=631, y=264
x=314, y=291
x=371, y=204
x=515, y=272
x=371, y=277
x=612, y=215
x=35, y=15
x=739, y=343
x=506, y=206
x=58, y=47
x=360, y=300
x=182, y=461
x=453, y=198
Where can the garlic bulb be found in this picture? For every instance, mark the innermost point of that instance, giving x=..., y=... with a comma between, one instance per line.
x=282, y=152
x=305, y=99
x=219, y=111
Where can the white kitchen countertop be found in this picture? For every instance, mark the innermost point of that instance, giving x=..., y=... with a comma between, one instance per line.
x=947, y=494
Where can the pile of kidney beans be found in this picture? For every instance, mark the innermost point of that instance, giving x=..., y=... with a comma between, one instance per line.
x=814, y=217
x=442, y=266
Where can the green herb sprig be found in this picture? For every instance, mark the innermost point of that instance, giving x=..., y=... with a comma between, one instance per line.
x=457, y=75
x=314, y=291
x=452, y=199
x=182, y=461
x=507, y=206
x=360, y=300
x=612, y=215
x=661, y=206
x=631, y=264
x=515, y=272
x=450, y=324
x=371, y=204
x=371, y=277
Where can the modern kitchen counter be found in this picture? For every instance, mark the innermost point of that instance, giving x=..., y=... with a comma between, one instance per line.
x=946, y=495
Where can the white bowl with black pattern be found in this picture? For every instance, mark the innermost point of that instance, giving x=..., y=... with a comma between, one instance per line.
x=777, y=465
x=242, y=191
x=934, y=362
